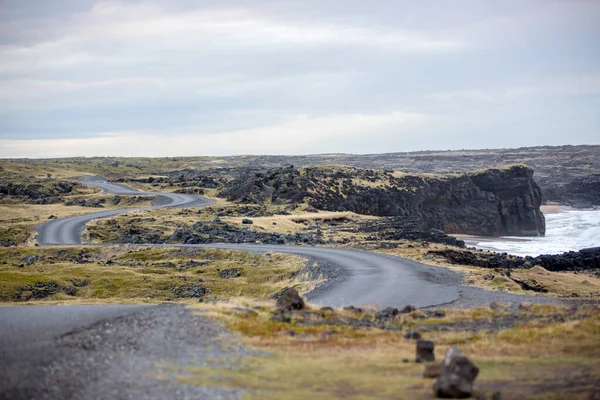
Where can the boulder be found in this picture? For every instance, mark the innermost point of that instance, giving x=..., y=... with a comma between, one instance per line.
x=425, y=351
x=456, y=376
x=230, y=273
x=387, y=313
x=408, y=309
x=28, y=260
x=290, y=300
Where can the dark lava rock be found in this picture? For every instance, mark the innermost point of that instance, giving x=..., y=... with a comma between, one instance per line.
x=493, y=202
x=230, y=273
x=190, y=291
x=356, y=310
x=387, y=313
x=28, y=260
x=290, y=300
x=99, y=203
x=282, y=316
x=79, y=282
x=247, y=221
x=408, y=309
x=582, y=260
x=40, y=191
x=38, y=290
x=457, y=376
x=70, y=290
x=425, y=351
x=412, y=335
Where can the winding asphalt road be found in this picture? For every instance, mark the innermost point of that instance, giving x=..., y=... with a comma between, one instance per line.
x=365, y=278
x=67, y=231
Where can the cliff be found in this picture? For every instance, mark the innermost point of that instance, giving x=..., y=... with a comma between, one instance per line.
x=493, y=202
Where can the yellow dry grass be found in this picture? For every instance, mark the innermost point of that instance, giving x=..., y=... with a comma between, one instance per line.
x=530, y=361
x=296, y=222
x=25, y=169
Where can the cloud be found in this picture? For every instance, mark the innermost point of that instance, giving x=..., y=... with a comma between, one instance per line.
x=261, y=76
x=566, y=86
x=295, y=135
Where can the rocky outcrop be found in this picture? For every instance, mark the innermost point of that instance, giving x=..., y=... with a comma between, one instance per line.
x=581, y=192
x=215, y=231
x=582, y=260
x=383, y=230
x=493, y=202
x=45, y=191
x=96, y=203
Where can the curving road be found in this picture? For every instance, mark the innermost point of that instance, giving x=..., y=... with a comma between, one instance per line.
x=67, y=231
x=365, y=278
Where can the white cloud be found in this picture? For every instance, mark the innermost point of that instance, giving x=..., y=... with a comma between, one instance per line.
x=296, y=135
x=567, y=86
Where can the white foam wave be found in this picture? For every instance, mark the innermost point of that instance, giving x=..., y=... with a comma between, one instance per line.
x=570, y=230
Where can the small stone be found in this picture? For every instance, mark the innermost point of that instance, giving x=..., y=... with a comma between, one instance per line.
x=412, y=335
x=353, y=309
x=387, y=313
x=525, y=306
x=282, y=316
x=408, y=309
x=498, y=306
x=28, y=260
x=405, y=360
x=290, y=300
x=457, y=376
x=432, y=371
x=247, y=221
x=70, y=290
x=425, y=351
x=230, y=273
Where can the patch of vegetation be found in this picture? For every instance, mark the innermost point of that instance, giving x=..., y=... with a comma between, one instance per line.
x=141, y=275
x=538, y=359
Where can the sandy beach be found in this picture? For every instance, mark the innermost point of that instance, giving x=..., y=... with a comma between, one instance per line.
x=553, y=208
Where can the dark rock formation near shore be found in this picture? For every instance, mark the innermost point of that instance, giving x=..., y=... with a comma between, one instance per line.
x=493, y=202
x=582, y=260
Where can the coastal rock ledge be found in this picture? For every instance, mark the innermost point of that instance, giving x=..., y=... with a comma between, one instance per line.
x=493, y=202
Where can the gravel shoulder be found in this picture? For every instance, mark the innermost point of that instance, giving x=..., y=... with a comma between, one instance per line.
x=134, y=356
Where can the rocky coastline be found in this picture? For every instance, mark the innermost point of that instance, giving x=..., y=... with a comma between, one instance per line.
x=493, y=202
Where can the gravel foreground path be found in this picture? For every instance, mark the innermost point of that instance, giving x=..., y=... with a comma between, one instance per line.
x=132, y=356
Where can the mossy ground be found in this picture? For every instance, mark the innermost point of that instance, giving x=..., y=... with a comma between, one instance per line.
x=534, y=360
x=144, y=275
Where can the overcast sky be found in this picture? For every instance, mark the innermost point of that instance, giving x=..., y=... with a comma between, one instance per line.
x=220, y=77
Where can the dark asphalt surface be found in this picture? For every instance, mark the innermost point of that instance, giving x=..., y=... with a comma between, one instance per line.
x=67, y=231
x=130, y=353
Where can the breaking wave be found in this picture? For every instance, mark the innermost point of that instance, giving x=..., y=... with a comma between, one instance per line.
x=570, y=230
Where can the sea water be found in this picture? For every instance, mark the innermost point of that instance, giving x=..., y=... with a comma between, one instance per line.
x=568, y=230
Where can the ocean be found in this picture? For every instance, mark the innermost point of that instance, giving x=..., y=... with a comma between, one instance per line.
x=567, y=230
